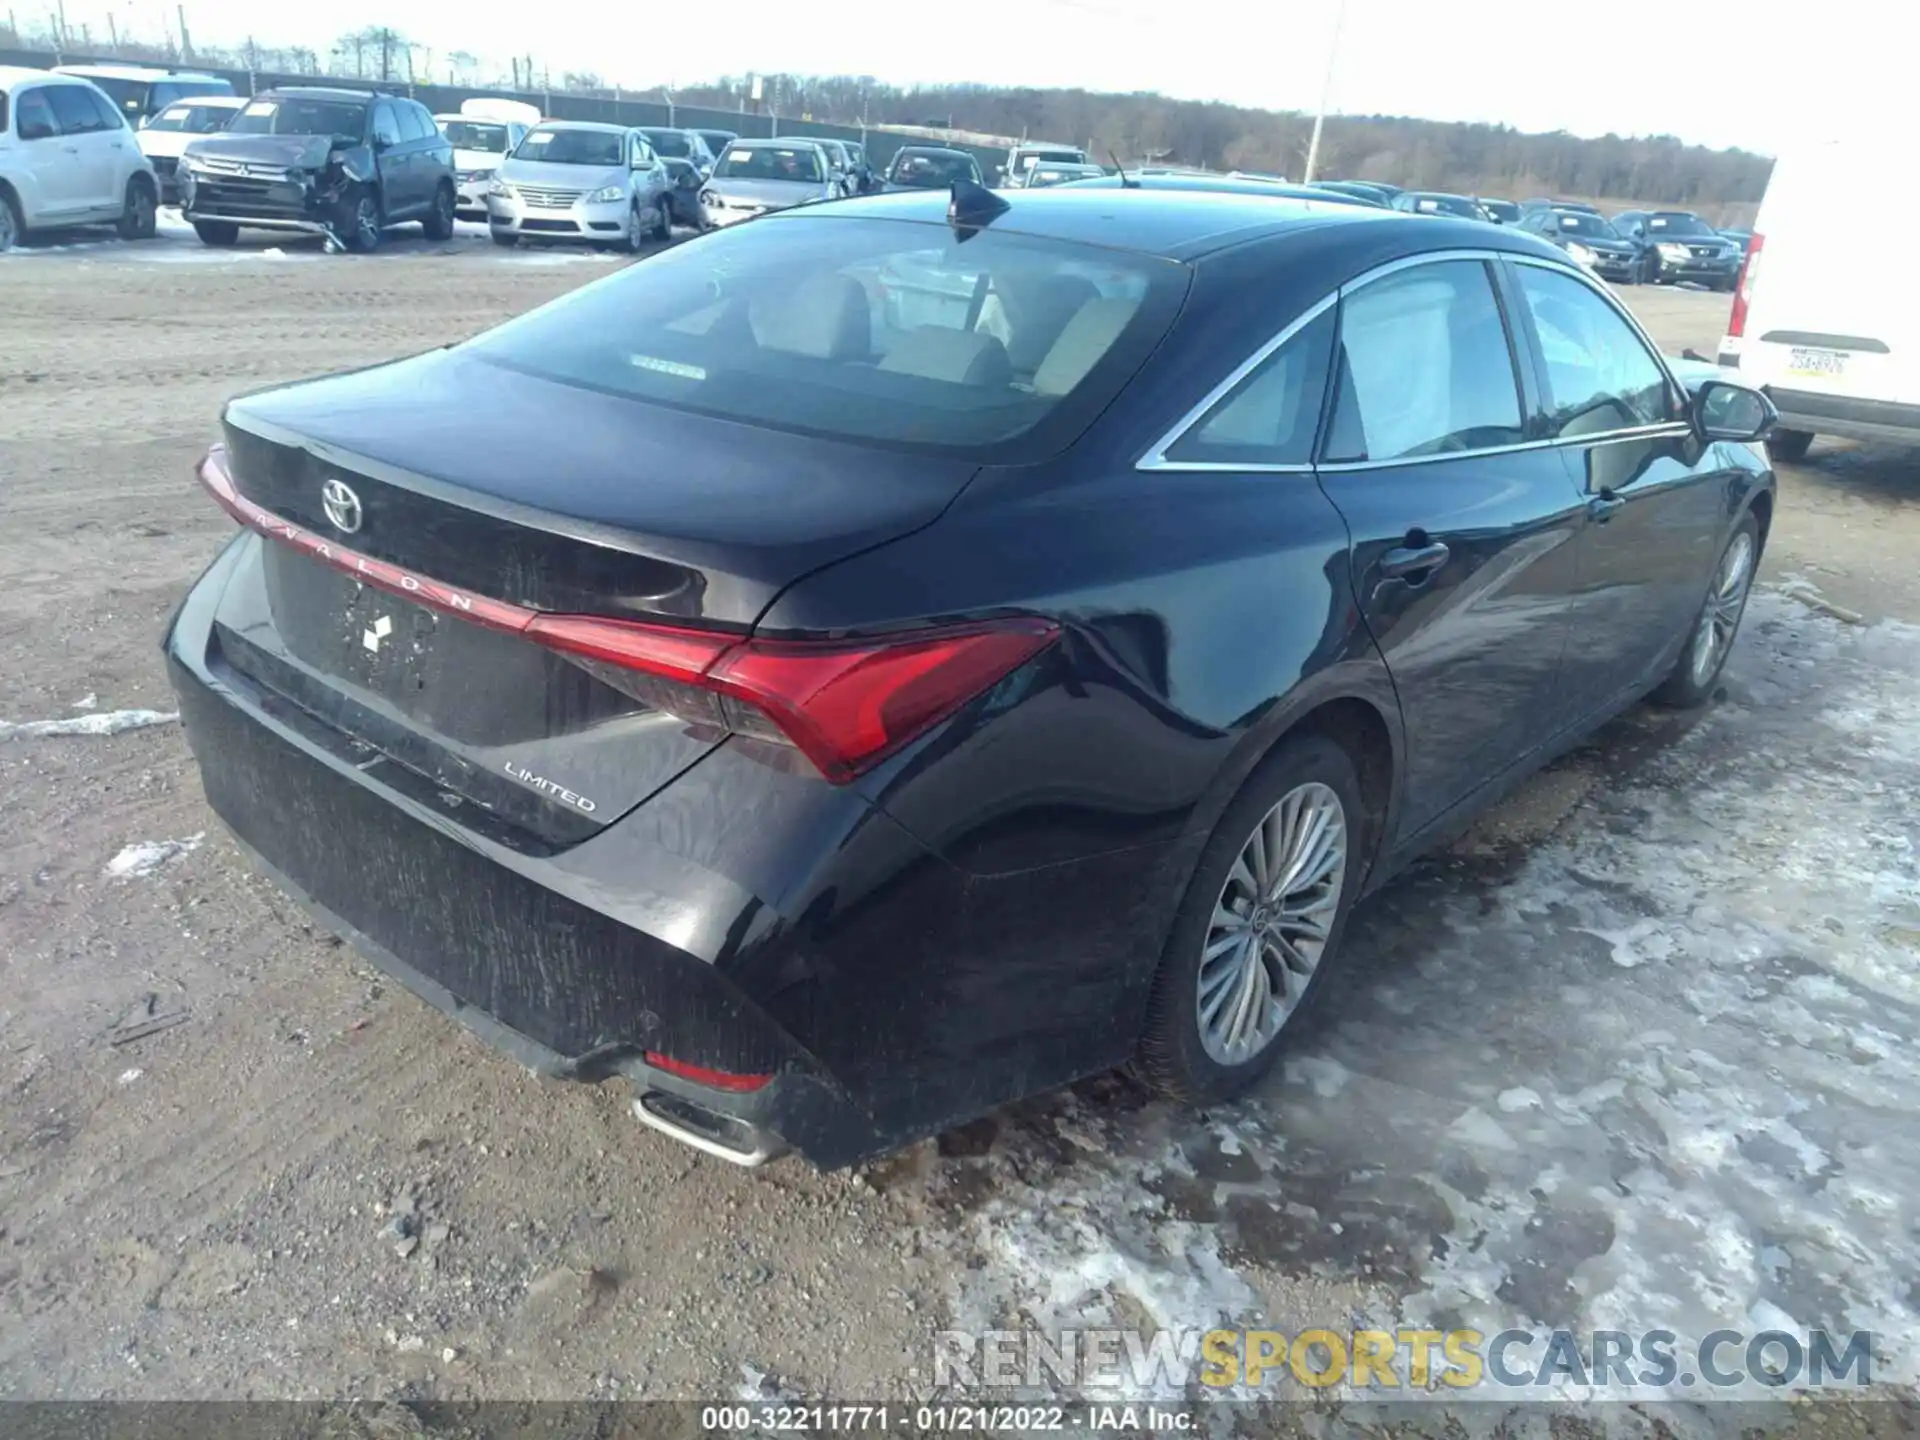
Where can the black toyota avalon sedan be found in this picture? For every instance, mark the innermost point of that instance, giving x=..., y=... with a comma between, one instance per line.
x=862, y=667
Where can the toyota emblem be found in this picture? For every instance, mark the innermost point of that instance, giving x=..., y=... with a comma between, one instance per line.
x=342, y=506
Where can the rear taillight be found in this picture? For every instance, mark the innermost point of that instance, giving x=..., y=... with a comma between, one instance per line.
x=845, y=704
x=1743, y=291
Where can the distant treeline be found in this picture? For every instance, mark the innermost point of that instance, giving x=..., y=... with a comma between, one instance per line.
x=1424, y=154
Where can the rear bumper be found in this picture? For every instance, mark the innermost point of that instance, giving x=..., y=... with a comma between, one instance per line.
x=757, y=923
x=1845, y=417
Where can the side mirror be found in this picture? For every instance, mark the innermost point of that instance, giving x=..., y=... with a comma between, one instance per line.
x=1725, y=411
x=35, y=130
x=381, y=142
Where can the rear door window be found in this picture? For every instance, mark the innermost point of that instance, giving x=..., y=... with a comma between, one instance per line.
x=34, y=113
x=1270, y=417
x=1425, y=367
x=415, y=122
x=881, y=330
x=1600, y=375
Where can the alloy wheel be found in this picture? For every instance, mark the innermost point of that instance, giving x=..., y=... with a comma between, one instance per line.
x=1271, y=923
x=1720, y=620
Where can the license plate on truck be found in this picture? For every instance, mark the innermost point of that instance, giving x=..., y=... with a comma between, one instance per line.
x=1824, y=364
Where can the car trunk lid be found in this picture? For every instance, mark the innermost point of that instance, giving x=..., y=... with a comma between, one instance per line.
x=392, y=601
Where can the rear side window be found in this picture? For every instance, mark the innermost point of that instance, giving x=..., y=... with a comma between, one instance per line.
x=1600, y=375
x=993, y=346
x=1269, y=418
x=1425, y=367
x=34, y=113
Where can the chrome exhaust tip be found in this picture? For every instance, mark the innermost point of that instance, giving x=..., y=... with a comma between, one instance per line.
x=725, y=1137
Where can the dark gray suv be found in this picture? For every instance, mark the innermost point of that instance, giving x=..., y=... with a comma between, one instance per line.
x=347, y=164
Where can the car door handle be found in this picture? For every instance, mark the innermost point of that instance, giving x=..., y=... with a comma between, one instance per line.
x=1407, y=561
x=1601, y=507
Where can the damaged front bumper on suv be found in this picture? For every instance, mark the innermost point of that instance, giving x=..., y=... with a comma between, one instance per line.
x=266, y=196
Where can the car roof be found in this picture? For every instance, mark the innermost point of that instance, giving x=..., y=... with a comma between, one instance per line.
x=236, y=101
x=1222, y=185
x=598, y=126
x=130, y=72
x=1172, y=224
x=14, y=75
x=784, y=142
x=323, y=92
x=932, y=150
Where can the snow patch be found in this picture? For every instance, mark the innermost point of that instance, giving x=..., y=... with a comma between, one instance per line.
x=143, y=857
x=105, y=722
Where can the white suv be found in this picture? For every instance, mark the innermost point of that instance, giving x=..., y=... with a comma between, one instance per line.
x=68, y=158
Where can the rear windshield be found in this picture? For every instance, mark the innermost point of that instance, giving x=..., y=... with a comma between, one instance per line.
x=769, y=162
x=195, y=119
x=1578, y=222
x=1446, y=205
x=673, y=143
x=475, y=135
x=932, y=172
x=1001, y=346
x=1678, y=225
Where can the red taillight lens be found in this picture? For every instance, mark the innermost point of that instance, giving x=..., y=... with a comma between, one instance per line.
x=1743, y=291
x=701, y=1075
x=845, y=705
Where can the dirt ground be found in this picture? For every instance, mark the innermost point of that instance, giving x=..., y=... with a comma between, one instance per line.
x=1639, y=1050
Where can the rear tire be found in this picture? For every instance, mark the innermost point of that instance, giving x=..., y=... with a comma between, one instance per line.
x=1291, y=908
x=12, y=229
x=1710, y=641
x=216, y=232
x=438, y=224
x=139, y=216
x=1788, y=445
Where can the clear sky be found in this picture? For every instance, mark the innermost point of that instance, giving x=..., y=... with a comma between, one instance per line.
x=1715, y=72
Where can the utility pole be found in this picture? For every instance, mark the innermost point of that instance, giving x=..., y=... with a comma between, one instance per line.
x=186, y=41
x=1326, y=90
x=113, y=31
